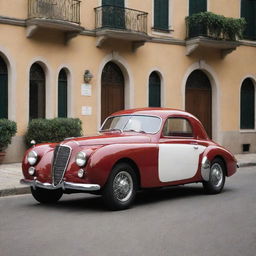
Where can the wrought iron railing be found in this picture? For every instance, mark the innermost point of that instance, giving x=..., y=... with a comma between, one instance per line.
x=65, y=10
x=121, y=18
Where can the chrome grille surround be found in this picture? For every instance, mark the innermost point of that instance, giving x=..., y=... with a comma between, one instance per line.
x=60, y=162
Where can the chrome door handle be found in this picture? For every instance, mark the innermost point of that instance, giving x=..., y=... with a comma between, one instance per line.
x=195, y=145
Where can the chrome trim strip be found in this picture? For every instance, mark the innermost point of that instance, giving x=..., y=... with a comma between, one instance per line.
x=64, y=185
x=205, y=168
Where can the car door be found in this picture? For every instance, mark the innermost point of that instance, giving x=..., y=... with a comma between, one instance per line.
x=179, y=151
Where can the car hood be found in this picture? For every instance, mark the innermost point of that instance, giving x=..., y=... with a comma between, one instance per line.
x=107, y=139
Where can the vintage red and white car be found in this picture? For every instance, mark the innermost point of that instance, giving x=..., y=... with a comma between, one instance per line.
x=136, y=149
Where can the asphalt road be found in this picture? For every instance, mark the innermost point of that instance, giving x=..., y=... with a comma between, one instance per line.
x=176, y=221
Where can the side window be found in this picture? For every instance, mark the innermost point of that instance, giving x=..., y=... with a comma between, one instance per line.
x=177, y=127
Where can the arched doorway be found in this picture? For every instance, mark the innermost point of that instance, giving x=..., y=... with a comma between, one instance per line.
x=36, y=92
x=62, y=94
x=3, y=89
x=112, y=90
x=199, y=98
x=154, y=95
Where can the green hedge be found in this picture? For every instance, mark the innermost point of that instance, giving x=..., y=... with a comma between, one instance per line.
x=53, y=130
x=218, y=26
x=8, y=129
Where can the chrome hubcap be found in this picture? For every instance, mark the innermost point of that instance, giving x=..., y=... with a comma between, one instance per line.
x=216, y=175
x=123, y=186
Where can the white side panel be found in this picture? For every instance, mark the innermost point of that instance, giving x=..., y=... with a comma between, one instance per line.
x=178, y=161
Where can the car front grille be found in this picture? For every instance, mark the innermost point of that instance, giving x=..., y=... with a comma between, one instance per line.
x=60, y=163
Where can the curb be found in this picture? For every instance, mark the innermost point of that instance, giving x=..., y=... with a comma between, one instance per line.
x=14, y=191
x=246, y=164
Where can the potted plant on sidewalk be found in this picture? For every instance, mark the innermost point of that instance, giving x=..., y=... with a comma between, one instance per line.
x=8, y=129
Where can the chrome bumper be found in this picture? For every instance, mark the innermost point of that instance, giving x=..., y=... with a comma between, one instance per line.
x=64, y=185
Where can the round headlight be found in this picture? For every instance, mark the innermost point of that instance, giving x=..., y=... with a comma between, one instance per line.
x=81, y=159
x=32, y=157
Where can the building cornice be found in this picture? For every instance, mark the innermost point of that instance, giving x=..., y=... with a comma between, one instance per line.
x=12, y=21
x=87, y=32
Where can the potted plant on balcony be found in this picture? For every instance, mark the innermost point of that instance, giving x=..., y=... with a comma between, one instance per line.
x=8, y=129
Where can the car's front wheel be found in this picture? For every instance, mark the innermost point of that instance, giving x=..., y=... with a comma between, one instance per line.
x=120, y=189
x=46, y=196
x=217, y=177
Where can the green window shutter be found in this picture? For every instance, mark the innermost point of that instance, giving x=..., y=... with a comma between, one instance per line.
x=247, y=105
x=154, y=90
x=119, y=3
x=161, y=14
x=248, y=11
x=113, y=17
x=62, y=94
x=3, y=96
x=196, y=6
x=3, y=89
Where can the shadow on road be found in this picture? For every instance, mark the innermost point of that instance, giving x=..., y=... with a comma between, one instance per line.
x=92, y=203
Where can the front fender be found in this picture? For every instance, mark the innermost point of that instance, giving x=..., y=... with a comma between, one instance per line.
x=144, y=156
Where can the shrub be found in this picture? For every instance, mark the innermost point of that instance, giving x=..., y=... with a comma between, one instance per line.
x=8, y=129
x=217, y=26
x=53, y=130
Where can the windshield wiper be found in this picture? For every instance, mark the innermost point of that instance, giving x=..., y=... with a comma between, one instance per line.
x=111, y=130
x=132, y=130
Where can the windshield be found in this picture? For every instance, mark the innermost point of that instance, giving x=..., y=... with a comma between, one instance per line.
x=133, y=123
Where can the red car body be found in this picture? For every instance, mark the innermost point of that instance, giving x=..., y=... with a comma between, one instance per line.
x=157, y=159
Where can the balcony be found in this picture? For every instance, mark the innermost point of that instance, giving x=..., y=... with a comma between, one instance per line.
x=113, y=22
x=209, y=30
x=63, y=15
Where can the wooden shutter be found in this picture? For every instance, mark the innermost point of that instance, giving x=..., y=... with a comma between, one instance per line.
x=119, y=3
x=113, y=17
x=247, y=105
x=154, y=90
x=161, y=14
x=3, y=89
x=248, y=11
x=196, y=6
x=62, y=94
x=3, y=96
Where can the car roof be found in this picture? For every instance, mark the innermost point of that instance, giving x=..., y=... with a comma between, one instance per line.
x=164, y=113
x=161, y=112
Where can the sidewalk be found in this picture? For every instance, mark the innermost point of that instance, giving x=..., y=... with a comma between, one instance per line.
x=10, y=175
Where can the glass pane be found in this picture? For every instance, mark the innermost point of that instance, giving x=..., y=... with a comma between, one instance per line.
x=136, y=123
x=179, y=127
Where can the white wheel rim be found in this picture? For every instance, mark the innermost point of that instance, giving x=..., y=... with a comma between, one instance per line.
x=216, y=175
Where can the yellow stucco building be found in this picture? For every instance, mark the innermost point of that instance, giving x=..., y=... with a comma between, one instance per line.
x=139, y=53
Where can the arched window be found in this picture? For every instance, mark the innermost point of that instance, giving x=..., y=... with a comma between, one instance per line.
x=3, y=89
x=248, y=11
x=247, y=105
x=154, y=96
x=36, y=92
x=62, y=94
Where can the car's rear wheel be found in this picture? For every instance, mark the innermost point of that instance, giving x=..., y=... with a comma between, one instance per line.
x=217, y=177
x=120, y=189
x=46, y=196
